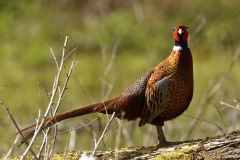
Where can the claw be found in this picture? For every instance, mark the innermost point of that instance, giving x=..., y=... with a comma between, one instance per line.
x=164, y=144
x=162, y=140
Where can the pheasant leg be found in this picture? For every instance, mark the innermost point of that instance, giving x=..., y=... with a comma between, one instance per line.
x=162, y=139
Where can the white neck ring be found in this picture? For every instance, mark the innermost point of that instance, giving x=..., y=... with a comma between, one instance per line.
x=178, y=48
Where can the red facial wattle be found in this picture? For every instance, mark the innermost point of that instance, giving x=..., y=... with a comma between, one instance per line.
x=176, y=33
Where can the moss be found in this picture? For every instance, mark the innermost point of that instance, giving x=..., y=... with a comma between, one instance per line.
x=182, y=154
x=72, y=155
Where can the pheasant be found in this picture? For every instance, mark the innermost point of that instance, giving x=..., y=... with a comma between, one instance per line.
x=160, y=95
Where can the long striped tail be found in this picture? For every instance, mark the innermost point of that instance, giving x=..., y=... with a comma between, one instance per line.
x=102, y=107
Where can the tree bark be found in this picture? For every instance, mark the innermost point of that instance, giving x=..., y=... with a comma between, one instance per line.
x=218, y=148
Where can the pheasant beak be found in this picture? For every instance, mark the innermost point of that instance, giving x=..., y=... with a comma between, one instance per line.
x=180, y=31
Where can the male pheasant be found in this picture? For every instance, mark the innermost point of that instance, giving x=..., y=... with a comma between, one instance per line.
x=160, y=95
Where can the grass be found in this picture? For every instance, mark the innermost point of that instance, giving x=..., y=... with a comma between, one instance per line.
x=28, y=29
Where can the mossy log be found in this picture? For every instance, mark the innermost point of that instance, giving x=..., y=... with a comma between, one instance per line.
x=220, y=147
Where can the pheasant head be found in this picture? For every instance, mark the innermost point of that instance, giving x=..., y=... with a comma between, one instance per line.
x=180, y=35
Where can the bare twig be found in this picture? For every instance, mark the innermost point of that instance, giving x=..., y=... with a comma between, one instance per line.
x=103, y=139
x=64, y=87
x=54, y=138
x=110, y=86
x=38, y=119
x=43, y=143
x=92, y=132
x=45, y=146
x=39, y=91
x=106, y=72
x=119, y=133
x=54, y=91
x=72, y=141
x=225, y=129
x=60, y=99
x=10, y=150
x=113, y=56
x=67, y=145
x=104, y=131
x=54, y=57
x=111, y=129
x=69, y=130
x=126, y=132
x=138, y=10
x=74, y=49
x=204, y=120
x=18, y=129
x=229, y=105
x=46, y=92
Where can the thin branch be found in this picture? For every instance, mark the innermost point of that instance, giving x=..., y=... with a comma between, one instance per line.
x=46, y=92
x=43, y=144
x=72, y=141
x=64, y=87
x=104, y=131
x=10, y=150
x=204, y=120
x=54, y=90
x=221, y=117
x=74, y=49
x=113, y=56
x=69, y=130
x=127, y=135
x=104, y=144
x=106, y=72
x=54, y=57
x=92, y=133
x=110, y=130
x=44, y=140
x=14, y=122
x=60, y=99
x=118, y=137
x=229, y=105
x=39, y=91
x=67, y=146
x=54, y=138
x=110, y=86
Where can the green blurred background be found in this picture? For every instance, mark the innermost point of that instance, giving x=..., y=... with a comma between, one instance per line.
x=142, y=33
